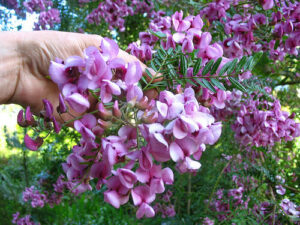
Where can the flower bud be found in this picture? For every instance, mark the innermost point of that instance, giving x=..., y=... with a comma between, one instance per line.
x=103, y=112
x=33, y=144
x=29, y=120
x=20, y=119
x=151, y=118
x=116, y=111
x=62, y=108
x=48, y=109
x=132, y=102
x=104, y=124
x=143, y=103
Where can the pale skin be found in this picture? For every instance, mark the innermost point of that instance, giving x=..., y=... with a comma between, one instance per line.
x=24, y=62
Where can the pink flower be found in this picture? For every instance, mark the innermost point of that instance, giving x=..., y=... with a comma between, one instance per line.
x=33, y=144
x=267, y=4
x=180, y=24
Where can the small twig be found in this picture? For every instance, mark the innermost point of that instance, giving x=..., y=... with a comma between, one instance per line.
x=217, y=182
x=189, y=194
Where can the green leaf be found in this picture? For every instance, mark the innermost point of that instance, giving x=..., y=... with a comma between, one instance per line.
x=232, y=66
x=216, y=66
x=237, y=84
x=209, y=85
x=191, y=82
x=207, y=67
x=170, y=51
x=200, y=82
x=157, y=62
x=255, y=60
x=163, y=50
x=197, y=66
x=148, y=73
x=218, y=84
x=183, y=65
x=160, y=54
x=153, y=66
x=224, y=68
x=144, y=80
x=241, y=64
x=158, y=34
x=248, y=63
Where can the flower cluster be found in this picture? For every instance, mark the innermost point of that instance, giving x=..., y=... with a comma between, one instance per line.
x=37, y=199
x=185, y=32
x=115, y=12
x=262, y=123
x=144, y=133
x=244, y=29
x=37, y=5
x=48, y=16
x=166, y=208
x=27, y=120
x=22, y=221
x=290, y=208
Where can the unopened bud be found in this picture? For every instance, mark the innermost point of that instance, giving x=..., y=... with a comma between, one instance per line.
x=132, y=102
x=98, y=131
x=143, y=103
x=104, y=124
x=29, y=120
x=103, y=112
x=179, y=89
x=20, y=119
x=116, y=111
x=151, y=118
x=61, y=108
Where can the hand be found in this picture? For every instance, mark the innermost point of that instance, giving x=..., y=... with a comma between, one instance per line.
x=34, y=52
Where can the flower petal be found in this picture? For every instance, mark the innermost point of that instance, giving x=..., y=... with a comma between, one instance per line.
x=32, y=144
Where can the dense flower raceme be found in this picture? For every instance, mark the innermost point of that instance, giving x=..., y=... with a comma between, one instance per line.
x=48, y=16
x=186, y=32
x=147, y=133
x=245, y=30
x=50, y=197
x=23, y=220
x=262, y=123
x=225, y=200
x=115, y=12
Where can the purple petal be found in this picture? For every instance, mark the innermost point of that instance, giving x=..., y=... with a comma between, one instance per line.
x=89, y=121
x=145, y=210
x=184, y=25
x=134, y=92
x=142, y=175
x=20, y=118
x=78, y=102
x=192, y=164
x=62, y=108
x=197, y=22
x=162, y=108
x=110, y=48
x=74, y=61
x=133, y=74
x=113, y=198
x=176, y=152
x=167, y=175
x=127, y=177
x=32, y=144
x=205, y=40
x=56, y=125
x=179, y=130
x=48, y=108
x=57, y=73
x=178, y=37
x=145, y=160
